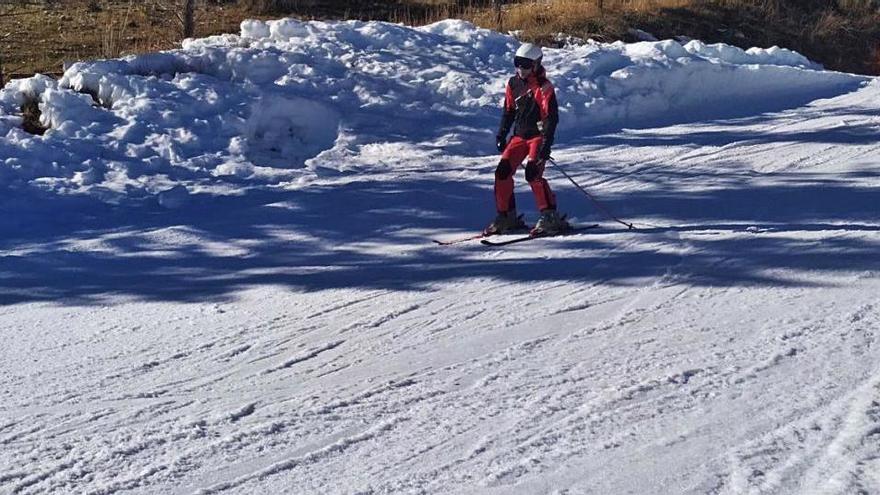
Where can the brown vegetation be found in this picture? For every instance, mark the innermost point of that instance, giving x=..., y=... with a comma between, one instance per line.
x=30, y=113
x=39, y=35
x=843, y=34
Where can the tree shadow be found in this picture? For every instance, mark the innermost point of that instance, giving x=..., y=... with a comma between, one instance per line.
x=375, y=235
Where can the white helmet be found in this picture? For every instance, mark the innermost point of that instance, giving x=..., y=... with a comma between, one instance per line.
x=530, y=51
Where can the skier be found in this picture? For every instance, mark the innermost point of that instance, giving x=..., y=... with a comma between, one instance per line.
x=530, y=108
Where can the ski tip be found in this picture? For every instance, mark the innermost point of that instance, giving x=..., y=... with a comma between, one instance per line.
x=459, y=240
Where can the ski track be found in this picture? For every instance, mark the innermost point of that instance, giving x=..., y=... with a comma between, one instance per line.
x=831, y=450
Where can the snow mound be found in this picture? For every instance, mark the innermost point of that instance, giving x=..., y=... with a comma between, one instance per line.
x=654, y=83
x=287, y=98
x=285, y=131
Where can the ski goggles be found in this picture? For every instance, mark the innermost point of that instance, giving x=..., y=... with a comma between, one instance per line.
x=523, y=63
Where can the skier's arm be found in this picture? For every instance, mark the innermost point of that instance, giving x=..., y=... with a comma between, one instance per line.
x=508, y=113
x=549, y=119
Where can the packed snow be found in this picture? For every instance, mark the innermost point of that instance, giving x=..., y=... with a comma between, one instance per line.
x=218, y=274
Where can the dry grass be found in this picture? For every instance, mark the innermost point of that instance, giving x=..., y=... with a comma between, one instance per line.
x=415, y=14
x=36, y=36
x=40, y=37
x=874, y=60
x=113, y=35
x=542, y=20
x=843, y=35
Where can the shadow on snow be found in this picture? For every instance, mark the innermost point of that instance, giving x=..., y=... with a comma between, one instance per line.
x=741, y=230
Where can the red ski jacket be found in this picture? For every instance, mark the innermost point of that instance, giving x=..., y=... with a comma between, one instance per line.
x=530, y=107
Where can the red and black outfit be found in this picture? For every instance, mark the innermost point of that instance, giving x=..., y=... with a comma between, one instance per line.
x=530, y=108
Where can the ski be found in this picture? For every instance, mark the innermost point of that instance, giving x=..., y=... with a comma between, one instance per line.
x=460, y=239
x=530, y=237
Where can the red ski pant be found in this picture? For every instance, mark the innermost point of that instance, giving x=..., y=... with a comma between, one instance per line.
x=516, y=151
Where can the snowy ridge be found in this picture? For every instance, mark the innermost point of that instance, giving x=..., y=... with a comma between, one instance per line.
x=288, y=93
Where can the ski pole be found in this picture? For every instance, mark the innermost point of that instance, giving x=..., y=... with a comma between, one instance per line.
x=594, y=200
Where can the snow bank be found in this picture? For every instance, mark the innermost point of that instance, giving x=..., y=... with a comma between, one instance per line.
x=285, y=97
x=651, y=83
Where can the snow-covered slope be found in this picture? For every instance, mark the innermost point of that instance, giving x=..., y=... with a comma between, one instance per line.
x=220, y=279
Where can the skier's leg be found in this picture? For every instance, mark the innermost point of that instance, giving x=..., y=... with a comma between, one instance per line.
x=544, y=196
x=511, y=159
x=505, y=201
x=504, y=198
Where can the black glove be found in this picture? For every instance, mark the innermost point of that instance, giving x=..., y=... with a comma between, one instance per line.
x=544, y=154
x=500, y=142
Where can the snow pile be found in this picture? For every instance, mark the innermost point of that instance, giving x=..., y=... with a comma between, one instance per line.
x=651, y=83
x=286, y=98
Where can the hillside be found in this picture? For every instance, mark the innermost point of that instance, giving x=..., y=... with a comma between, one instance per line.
x=217, y=274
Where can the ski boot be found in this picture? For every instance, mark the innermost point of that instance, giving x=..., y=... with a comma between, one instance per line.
x=505, y=222
x=550, y=223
